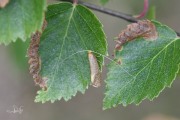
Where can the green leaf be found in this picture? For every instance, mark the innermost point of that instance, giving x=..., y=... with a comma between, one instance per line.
x=147, y=67
x=72, y=30
x=104, y=1
x=20, y=18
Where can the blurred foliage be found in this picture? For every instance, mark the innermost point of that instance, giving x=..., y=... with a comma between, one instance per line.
x=104, y=1
x=151, y=13
x=18, y=52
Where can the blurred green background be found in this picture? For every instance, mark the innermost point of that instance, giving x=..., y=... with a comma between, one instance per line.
x=17, y=87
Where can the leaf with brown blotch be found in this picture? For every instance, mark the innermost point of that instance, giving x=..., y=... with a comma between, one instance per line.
x=147, y=67
x=143, y=28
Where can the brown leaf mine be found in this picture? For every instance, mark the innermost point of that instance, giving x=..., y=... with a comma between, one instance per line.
x=143, y=28
x=3, y=3
x=94, y=67
x=34, y=59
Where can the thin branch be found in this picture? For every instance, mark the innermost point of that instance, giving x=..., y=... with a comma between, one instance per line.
x=123, y=16
x=126, y=17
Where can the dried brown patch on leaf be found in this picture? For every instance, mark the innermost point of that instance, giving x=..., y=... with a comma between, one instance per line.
x=34, y=59
x=143, y=28
x=95, y=72
x=3, y=3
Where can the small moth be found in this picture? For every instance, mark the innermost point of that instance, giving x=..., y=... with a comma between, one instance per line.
x=95, y=72
x=143, y=28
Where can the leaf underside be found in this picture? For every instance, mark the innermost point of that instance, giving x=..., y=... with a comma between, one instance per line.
x=147, y=67
x=20, y=18
x=72, y=30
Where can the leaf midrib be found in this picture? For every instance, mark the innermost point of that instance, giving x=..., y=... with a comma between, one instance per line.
x=65, y=36
x=155, y=57
x=148, y=64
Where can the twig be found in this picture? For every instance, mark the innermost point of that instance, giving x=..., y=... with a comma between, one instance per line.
x=126, y=17
x=123, y=16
